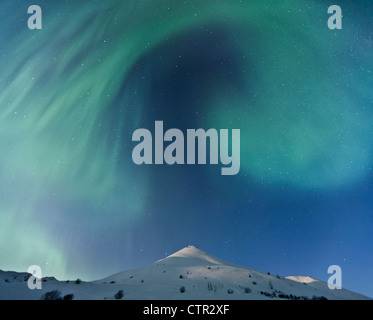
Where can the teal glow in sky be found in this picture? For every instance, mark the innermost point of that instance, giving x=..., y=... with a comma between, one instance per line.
x=71, y=95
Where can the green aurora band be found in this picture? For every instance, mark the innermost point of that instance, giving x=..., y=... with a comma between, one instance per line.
x=305, y=117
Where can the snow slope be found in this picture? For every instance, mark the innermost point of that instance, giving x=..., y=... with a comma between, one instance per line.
x=189, y=274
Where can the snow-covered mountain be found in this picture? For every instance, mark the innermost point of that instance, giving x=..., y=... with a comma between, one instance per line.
x=189, y=274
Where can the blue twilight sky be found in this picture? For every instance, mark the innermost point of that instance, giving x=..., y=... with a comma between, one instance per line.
x=72, y=94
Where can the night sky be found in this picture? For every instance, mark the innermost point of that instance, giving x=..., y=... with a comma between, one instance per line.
x=72, y=94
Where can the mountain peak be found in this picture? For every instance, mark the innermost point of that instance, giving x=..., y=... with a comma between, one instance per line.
x=195, y=254
x=302, y=279
x=189, y=250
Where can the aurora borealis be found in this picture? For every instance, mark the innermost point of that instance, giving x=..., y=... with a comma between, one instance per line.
x=72, y=94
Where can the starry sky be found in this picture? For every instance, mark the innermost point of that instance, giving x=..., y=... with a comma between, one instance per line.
x=72, y=94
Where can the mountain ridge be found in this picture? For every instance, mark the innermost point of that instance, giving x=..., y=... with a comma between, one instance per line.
x=188, y=274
